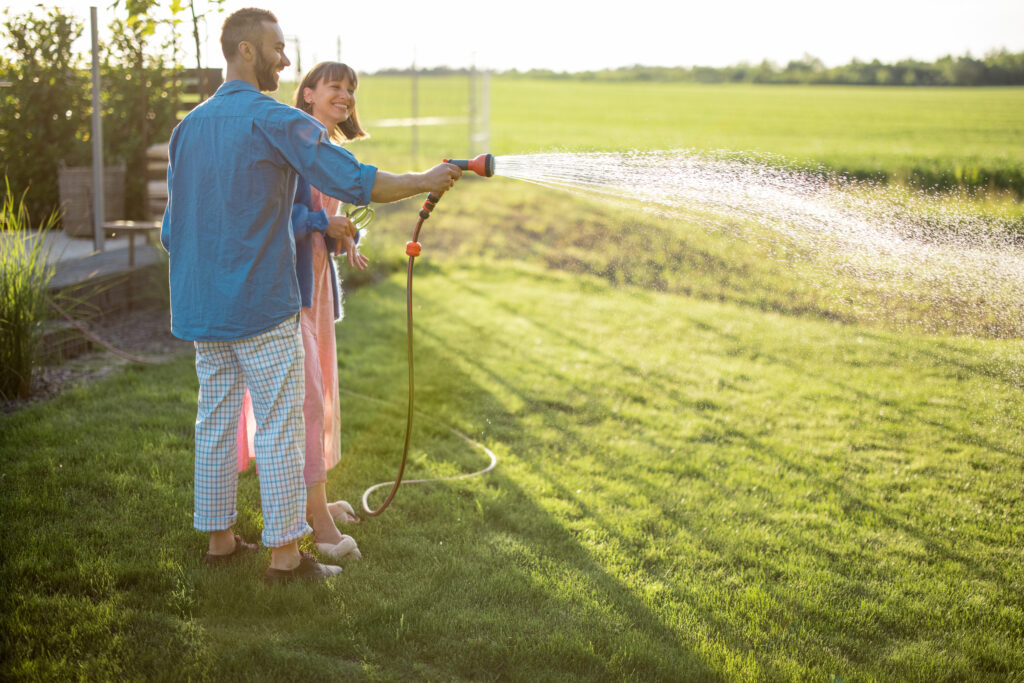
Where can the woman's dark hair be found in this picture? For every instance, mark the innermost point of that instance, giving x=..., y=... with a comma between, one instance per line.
x=332, y=71
x=245, y=24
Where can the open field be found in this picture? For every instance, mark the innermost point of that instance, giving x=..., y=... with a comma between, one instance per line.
x=944, y=136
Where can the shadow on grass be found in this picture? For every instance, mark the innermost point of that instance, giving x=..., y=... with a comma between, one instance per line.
x=522, y=577
x=104, y=578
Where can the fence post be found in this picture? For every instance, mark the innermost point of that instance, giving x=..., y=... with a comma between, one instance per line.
x=471, y=152
x=415, y=117
x=98, y=211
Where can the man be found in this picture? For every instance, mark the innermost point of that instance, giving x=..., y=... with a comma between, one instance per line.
x=231, y=180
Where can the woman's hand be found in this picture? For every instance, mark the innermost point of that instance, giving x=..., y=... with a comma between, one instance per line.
x=340, y=227
x=355, y=259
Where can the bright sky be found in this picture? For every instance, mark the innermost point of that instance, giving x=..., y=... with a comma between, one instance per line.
x=574, y=35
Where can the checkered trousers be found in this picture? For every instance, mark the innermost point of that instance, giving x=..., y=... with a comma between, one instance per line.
x=271, y=365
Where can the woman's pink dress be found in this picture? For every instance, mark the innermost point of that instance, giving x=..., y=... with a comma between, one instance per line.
x=321, y=409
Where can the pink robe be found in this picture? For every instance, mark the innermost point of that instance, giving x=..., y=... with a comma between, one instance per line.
x=321, y=409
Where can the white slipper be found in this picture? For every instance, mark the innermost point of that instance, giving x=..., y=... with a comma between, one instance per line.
x=343, y=512
x=346, y=547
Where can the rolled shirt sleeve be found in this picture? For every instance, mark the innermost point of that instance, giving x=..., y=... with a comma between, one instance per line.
x=304, y=218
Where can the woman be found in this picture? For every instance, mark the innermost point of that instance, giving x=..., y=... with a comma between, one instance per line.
x=327, y=93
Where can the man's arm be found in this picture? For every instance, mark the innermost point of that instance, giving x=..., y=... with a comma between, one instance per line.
x=302, y=142
x=390, y=187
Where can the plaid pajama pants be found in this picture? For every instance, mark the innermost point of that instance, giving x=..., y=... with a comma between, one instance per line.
x=271, y=365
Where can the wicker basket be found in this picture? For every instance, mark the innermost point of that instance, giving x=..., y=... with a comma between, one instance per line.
x=75, y=186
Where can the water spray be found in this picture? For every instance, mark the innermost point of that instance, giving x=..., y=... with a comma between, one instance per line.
x=914, y=258
x=482, y=165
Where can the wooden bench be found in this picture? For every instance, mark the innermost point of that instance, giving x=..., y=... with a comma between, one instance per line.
x=130, y=228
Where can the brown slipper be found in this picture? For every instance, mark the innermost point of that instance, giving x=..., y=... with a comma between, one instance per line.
x=241, y=548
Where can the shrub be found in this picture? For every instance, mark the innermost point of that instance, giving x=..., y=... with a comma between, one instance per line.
x=44, y=117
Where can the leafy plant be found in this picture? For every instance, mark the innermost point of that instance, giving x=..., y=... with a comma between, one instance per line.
x=24, y=276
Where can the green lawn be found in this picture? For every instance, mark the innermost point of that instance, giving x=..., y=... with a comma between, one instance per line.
x=708, y=471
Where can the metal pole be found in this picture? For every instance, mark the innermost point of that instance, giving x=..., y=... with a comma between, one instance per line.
x=298, y=56
x=485, y=111
x=415, y=116
x=98, y=212
x=472, y=109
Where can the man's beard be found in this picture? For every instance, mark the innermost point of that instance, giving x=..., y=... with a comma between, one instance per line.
x=266, y=77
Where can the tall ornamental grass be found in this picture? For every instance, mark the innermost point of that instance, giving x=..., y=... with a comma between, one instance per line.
x=24, y=276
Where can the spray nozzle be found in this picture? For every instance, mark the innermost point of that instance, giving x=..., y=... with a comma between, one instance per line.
x=483, y=165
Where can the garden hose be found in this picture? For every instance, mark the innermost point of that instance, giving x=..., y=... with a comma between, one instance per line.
x=482, y=165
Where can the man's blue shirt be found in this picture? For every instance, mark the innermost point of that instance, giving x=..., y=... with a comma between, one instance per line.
x=227, y=227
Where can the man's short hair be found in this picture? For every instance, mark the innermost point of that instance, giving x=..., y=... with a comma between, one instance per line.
x=245, y=24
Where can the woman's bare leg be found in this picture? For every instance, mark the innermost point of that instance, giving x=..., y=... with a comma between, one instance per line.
x=324, y=528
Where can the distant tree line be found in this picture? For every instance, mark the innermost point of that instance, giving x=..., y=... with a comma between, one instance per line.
x=996, y=68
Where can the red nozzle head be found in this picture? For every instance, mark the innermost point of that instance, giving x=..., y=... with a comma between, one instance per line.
x=483, y=165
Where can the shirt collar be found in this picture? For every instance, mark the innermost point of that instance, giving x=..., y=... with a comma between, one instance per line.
x=229, y=87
